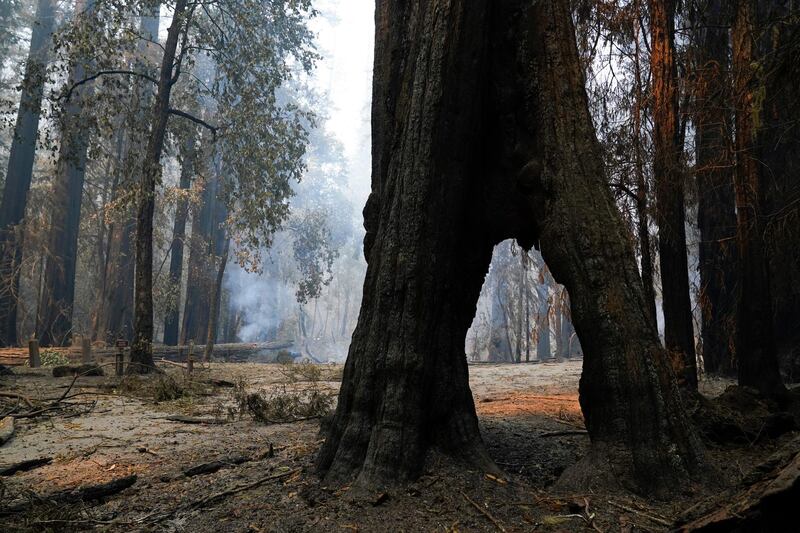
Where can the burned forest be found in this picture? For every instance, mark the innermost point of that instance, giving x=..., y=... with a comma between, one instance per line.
x=379, y=265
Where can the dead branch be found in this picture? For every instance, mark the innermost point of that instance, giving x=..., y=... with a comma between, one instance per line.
x=224, y=494
x=649, y=516
x=564, y=433
x=485, y=513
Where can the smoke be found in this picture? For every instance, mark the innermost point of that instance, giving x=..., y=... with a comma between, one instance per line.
x=258, y=299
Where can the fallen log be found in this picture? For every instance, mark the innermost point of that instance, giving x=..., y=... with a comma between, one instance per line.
x=215, y=466
x=24, y=466
x=765, y=501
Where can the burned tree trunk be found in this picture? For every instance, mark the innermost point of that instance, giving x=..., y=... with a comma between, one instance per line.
x=20, y=170
x=756, y=354
x=481, y=132
x=54, y=320
x=716, y=213
x=670, y=209
x=172, y=318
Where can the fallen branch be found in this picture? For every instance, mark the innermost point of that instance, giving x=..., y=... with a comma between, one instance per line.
x=224, y=494
x=485, y=513
x=82, y=494
x=191, y=420
x=564, y=433
x=650, y=517
x=16, y=396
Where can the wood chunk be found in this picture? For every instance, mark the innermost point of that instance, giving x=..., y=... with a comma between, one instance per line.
x=6, y=429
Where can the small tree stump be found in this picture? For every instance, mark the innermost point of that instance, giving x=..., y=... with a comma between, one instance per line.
x=33, y=354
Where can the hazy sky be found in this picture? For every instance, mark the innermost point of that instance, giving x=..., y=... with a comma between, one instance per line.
x=345, y=36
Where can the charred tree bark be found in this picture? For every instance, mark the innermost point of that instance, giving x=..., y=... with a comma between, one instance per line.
x=172, y=318
x=716, y=212
x=756, y=355
x=54, y=321
x=20, y=170
x=670, y=209
x=778, y=145
x=481, y=132
x=142, y=347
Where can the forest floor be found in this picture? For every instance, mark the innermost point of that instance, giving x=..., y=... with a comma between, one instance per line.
x=259, y=476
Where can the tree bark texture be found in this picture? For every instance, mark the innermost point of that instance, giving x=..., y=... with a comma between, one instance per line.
x=54, y=321
x=670, y=209
x=142, y=347
x=20, y=170
x=756, y=353
x=716, y=211
x=778, y=149
x=481, y=132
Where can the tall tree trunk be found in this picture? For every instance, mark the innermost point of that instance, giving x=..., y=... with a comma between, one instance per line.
x=142, y=348
x=543, y=349
x=172, y=318
x=216, y=298
x=200, y=265
x=481, y=132
x=670, y=210
x=20, y=170
x=716, y=213
x=642, y=189
x=756, y=356
x=54, y=321
x=779, y=144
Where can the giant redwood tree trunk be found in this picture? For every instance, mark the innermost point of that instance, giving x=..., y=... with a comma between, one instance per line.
x=481, y=132
x=670, y=209
x=716, y=213
x=20, y=170
x=54, y=320
x=756, y=354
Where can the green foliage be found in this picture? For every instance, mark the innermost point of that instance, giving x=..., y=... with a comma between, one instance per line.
x=53, y=358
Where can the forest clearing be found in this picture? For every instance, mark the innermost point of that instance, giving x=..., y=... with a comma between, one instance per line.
x=233, y=473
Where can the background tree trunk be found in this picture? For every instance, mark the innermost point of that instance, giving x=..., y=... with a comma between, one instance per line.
x=481, y=132
x=670, y=210
x=20, y=169
x=172, y=318
x=756, y=355
x=54, y=322
x=716, y=213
